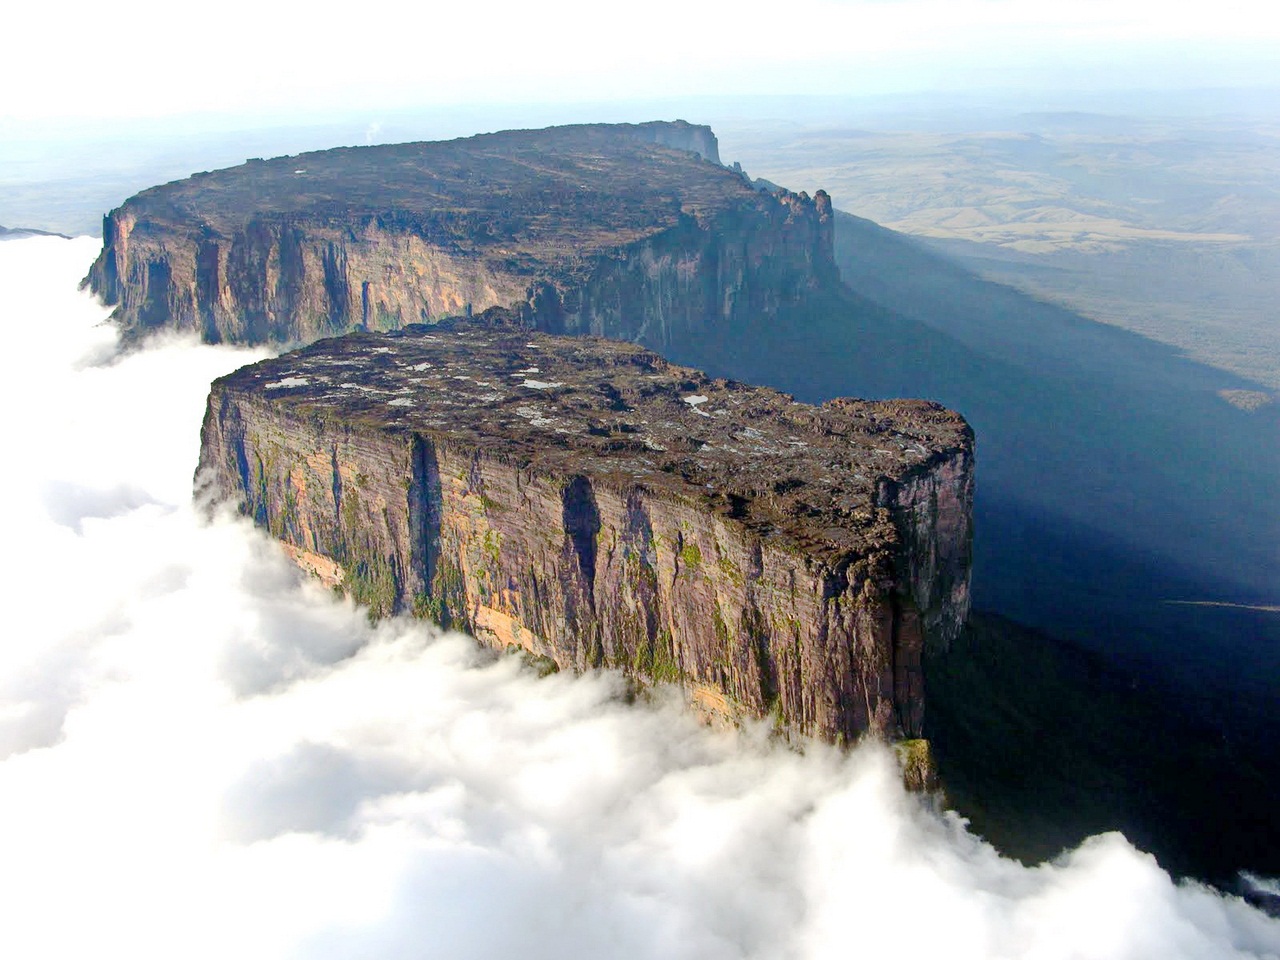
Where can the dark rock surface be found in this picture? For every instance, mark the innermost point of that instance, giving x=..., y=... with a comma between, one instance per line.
x=629, y=229
x=597, y=505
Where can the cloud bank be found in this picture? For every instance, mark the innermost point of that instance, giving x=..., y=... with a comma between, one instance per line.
x=204, y=754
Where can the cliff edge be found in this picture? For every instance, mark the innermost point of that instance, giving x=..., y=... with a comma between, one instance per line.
x=599, y=506
x=633, y=230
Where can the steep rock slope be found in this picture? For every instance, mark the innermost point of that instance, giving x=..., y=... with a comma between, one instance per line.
x=634, y=229
x=596, y=505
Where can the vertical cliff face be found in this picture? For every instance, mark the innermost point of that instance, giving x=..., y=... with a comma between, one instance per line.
x=634, y=229
x=731, y=266
x=678, y=135
x=285, y=280
x=932, y=511
x=597, y=506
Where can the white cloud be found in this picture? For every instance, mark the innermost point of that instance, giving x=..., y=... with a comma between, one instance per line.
x=207, y=755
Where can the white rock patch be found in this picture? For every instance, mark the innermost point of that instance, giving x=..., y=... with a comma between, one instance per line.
x=694, y=400
x=286, y=383
x=534, y=416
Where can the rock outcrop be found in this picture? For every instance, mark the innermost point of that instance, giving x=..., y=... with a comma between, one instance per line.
x=631, y=231
x=598, y=506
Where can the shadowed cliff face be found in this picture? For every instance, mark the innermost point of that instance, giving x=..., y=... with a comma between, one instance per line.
x=624, y=227
x=597, y=506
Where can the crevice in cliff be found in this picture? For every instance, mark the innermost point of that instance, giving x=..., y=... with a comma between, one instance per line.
x=336, y=488
x=756, y=632
x=907, y=648
x=425, y=500
x=581, y=519
x=337, y=288
x=155, y=305
x=581, y=525
x=231, y=426
x=543, y=308
x=291, y=281
x=207, y=284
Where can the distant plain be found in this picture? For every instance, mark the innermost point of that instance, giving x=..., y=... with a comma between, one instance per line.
x=1167, y=227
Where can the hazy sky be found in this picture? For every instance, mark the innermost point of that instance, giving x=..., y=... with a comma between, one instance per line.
x=156, y=57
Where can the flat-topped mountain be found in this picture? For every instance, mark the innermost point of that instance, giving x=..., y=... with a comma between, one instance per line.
x=18, y=233
x=633, y=227
x=595, y=504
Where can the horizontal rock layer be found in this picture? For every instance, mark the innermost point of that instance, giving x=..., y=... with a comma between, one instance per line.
x=596, y=505
x=627, y=229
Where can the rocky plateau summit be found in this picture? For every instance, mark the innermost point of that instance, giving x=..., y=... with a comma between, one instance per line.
x=596, y=505
x=633, y=231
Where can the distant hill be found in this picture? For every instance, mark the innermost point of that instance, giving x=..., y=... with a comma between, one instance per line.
x=15, y=233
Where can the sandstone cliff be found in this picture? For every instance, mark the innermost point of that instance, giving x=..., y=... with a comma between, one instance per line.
x=596, y=505
x=633, y=230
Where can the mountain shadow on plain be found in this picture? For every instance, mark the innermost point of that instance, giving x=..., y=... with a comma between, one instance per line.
x=1116, y=491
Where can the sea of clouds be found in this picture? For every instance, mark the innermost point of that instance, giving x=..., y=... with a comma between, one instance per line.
x=204, y=754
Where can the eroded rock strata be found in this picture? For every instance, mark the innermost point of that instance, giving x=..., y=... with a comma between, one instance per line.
x=628, y=230
x=597, y=505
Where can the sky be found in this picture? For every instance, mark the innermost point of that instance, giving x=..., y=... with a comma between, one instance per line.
x=205, y=754
x=156, y=58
